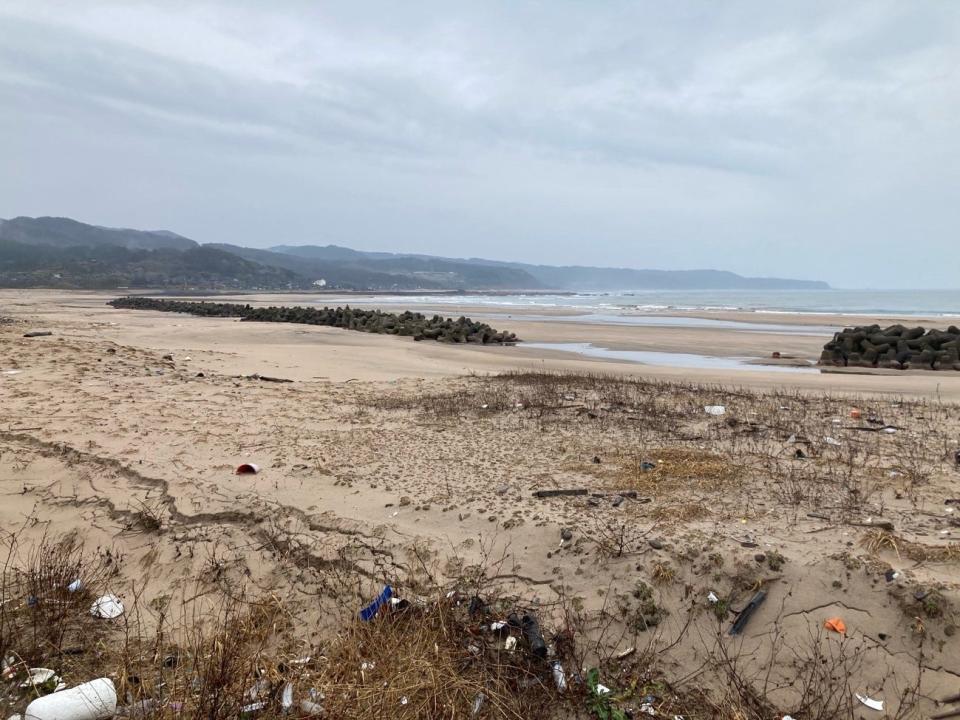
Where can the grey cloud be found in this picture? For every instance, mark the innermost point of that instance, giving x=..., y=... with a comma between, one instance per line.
x=803, y=138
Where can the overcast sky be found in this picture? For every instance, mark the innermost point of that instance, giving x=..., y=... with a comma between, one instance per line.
x=806, y=139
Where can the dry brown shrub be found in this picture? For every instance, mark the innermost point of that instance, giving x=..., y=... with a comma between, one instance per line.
x=46, y=597
x=210, y=661
x=428, y=661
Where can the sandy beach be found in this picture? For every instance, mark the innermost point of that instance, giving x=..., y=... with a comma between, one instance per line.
x=286, y=349
x=381, y=445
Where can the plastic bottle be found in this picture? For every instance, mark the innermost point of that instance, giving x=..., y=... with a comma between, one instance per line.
x=559, y=677
x=94, y=700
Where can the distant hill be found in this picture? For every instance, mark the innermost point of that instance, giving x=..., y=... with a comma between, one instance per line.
x=580, y=278
x=110, y=266
x=425, y=271
x=333, y=274
x=64, y=232
x=334, y=253
x=573, y=278
x=61, y=252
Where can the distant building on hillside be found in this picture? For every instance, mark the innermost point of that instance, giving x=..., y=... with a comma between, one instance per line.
x=320, y=283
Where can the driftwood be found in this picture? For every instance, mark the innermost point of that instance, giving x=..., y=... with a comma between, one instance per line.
x=866, y=428
x=38, y=333
x=628, y=494
x=265, y=378
x=560, y=493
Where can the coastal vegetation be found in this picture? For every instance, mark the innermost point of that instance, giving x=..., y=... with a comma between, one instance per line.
x=105, y=266
x=669, y=547
x=409, y=324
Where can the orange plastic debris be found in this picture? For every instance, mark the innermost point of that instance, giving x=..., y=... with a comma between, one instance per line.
x=855, y=413
x=837, y=625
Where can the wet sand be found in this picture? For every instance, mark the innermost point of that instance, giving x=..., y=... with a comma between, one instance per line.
x=305, y=352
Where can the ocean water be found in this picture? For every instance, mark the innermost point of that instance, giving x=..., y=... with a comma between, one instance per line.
x=896, y=303
x=666, y=308
x=647, y=319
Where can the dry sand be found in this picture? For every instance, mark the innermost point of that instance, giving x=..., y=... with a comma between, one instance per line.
x=97, y=425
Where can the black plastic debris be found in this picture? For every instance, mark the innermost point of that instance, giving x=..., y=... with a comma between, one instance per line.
x=531, y=631
x=477, y=605
x=744, y=617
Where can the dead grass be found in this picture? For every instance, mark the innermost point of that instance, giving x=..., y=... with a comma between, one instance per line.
x=796, y=449
x=223, y=656
x=150, y=516
x=678, y=468
x=208, y=663
x=663, y=573
x=680, y=512
x=46, y=596
x=430, y=660
x=877, y=541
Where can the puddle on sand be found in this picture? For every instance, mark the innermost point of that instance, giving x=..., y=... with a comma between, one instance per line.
x=676, y=321
x=668, y=359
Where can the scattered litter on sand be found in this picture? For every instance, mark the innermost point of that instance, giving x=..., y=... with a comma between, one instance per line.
x=679, y=525
x=107, y=607
x=374, y=607
x=44, y=678
x=94, y=700
x=837, y=625
x=870, y=702
x=744, y=616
